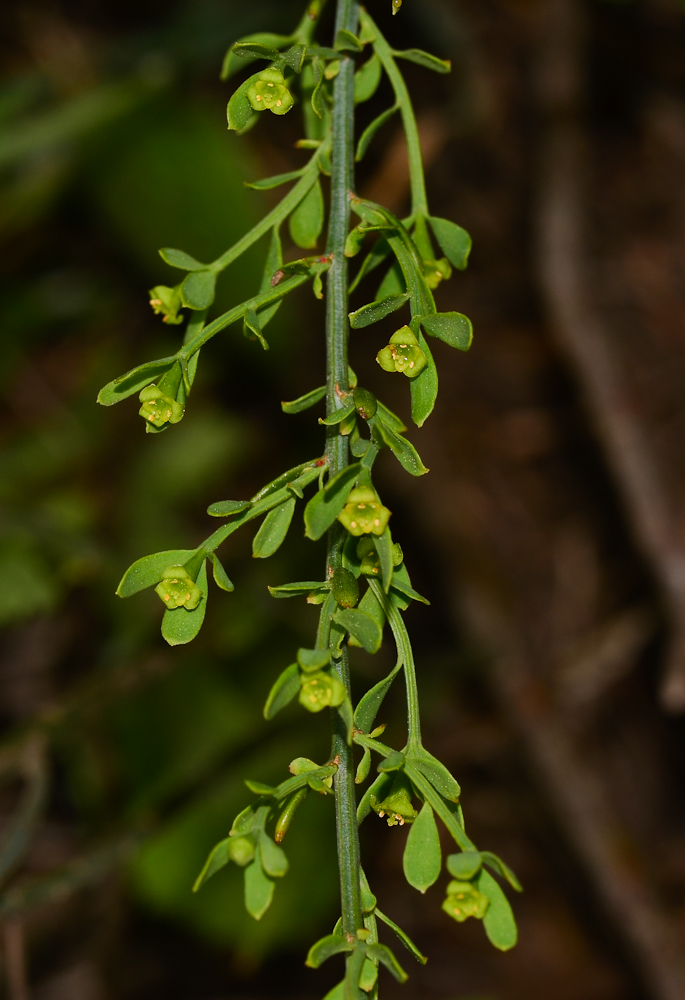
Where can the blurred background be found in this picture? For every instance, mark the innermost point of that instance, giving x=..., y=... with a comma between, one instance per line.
x=549, y=536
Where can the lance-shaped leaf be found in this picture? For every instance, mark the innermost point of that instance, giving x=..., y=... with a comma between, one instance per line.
x=147, y=572
x=452, y=327
x=374, y=259
x=286, y=687
x=253, y=326
x=304, y=402
x=273, y=530
x=369, y=704
x=393, y=282
x=273, y=182
x=366, y=79
x=197, y=290
x=221, y=577
x=218, y=857
x=403, y=936
x=307, y=220
x=424, y=388
x=180, y=625
x=338, y=416
x=233, y=62
x=259, y=788
x=436, y=772
x=273, y=859
x=259, y=890
x=425, y=59
x=133, y=381
x=324, y=506
x=365, y=630
x=499, y=922
x=370, y=131
x=422, y=859
x=299, y=589
x=375, y=311
x=325, y=948
x=371, y=606
x=239, y=110
x=255, y=50
x=318, y=99
x=497, y=865
x=180, y=259
x=345, y=41
x=400, y=587
x=228, y=508
x=403, y=450
x=384, y=548
x=454, y=241
x=390, y=418
x=381, y=953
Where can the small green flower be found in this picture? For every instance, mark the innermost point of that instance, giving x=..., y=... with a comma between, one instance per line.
x=158, y=408
x=241, y=850
x=269, y=92
x=464, y=901
x=166, y=301
x=396, y=807
x=320, y=691
x=435, y=271
x=363, y=513
x=402, y=354
x=178, y=589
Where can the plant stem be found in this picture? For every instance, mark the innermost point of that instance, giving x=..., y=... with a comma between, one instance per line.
x=337, y=380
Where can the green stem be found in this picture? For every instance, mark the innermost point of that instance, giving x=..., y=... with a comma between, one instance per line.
x=404, y=651
x=419, y=201
x=337, y=382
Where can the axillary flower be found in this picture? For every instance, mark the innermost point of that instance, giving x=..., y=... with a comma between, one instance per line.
x=158, y=408
x=177, y=589
x=321, y=690
x=435, y=271
x=396, y=807
x=464, y=900
x=363, y=513
x=269, y=92
x=402, y=354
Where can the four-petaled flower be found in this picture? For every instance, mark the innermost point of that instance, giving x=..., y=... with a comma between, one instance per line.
x=158, y=408
x=402, y=354
x=269, y=92
x=177, y=589
x=363, y=513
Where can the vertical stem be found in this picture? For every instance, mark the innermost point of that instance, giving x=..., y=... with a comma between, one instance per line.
x=342, y=180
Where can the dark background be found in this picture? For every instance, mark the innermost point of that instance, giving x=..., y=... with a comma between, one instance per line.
x=549, y=535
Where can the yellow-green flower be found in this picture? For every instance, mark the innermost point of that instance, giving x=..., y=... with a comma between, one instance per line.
x=269, y=92
x=396, y=807
x=464, y=901
x=158, y=408
x=402, y=354
x=177, y=589
x=435, y=271
x=321, y=690
x=364, y=514
x=166, y=301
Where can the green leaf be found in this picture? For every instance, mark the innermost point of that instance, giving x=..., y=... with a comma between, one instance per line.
x=259, y=788
x=454, y=241
x=286, y=687
x=197, y=290
x=306, y=222
x=304, y=402
x=313, y=659
x=273, y=182
x=375, y=311
x=374, y=259
x=370, y=703
x=325, y=948
x=363, y=767
x=233, y=63
x=180, y=625
x=403, y=450
x=370, y=605
x=366, y=79
x=338, y=416
x=436, y=772
x=318, y=98
x=221, y=578
x=180, y=259
x=384, y=548
x=400, y=587
x=499, y=922
x=393, y=283
x=404, y=938
x=425, y=59
x=365, y=630
x=218, y=857
x=324, y=506
x=273, y=530
x=133, y=381
x=239, y=110
x=381, y=953
x=253, y=325
x=259, y=890
x=147, y=572
x=452, y=327
x=424, y=388
x=395, y=761
x=390, y=418
x=369, y=132
x=465, y=865
x=295, y=57
x=376, y=789
x=227, y=508
x=337, y=993
x=274, y=861
x=345, y=41
x=497, y=865
x=298, y=589
x=255, y=50
x=422, y=859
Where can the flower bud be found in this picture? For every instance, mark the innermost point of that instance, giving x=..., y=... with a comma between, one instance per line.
x=158, y=408
x=365, y=402
x=363, y=513
x=464, y=900
x=402, y=354
x=178, y=589
x=345, y=588
x=166, y=301
x=396, y=807
x=241, y=850
x=269, y=92
x=320, y=691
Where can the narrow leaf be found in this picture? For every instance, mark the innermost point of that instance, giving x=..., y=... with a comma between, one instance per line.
x=147, y=572
x=298, y=589
x=384, y=548
x=370, y=703
x=304, y=402
x=370, y=131
x=274, y=861
x=452, y=327
x=366, y=79
x=325, y=948
x=218, y=857
x=227, y=508
x=497, y=865
x=365, y=630
x=324, y=506
x=133, y=381
x=255, y=50
x=259, y=890
x=438, y=775
x=424, y=388
x=273, y=530
x=180, y=625
x=370, y=605
x=233, y=63
x=375, y=311
x=239, y=110
x=499, y=922
x=197, y=290
x=273, y=182
x=393, y=283
x=403, y=588
x=338, y=416
x=404, y=938
x=454, y=241
x=318, y=99
x=374, y=259
x=390, y=418
x=381, y=953
x=306, y=222
x=425, y=59
x=345, y=41
x=180, y=259
x=403, y=450
x=286, y=687
x=422, y=859
x=221, y=578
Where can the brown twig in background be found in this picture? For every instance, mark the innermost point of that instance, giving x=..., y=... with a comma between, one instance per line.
x=15, y=959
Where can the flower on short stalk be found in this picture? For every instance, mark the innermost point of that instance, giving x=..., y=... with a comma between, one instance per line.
x=363, y=513
x=177, y=589
x=396, y=807
x=158, y=408
x=269, y=92
x=166, y=301
x=464, y=901
x=321, y=690
x=435, y=271
x=402, y=354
